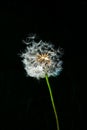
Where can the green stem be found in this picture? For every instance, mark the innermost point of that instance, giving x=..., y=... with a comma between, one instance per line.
x=52, y=101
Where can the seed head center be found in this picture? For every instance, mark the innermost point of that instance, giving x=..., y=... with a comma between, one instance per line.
x=43, y=58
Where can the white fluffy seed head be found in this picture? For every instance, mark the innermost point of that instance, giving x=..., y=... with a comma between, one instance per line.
x=41, y=58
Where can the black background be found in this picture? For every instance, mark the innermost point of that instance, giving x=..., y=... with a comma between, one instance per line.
x=25, y=102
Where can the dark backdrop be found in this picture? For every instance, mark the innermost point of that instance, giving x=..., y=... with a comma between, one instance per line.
x=25, y=102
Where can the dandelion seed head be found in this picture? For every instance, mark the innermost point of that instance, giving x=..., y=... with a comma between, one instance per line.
x=41, y=58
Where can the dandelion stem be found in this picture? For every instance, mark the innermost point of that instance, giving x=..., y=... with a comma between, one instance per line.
x=52, y=101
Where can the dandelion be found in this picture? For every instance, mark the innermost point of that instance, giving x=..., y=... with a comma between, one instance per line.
x=42, y=60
